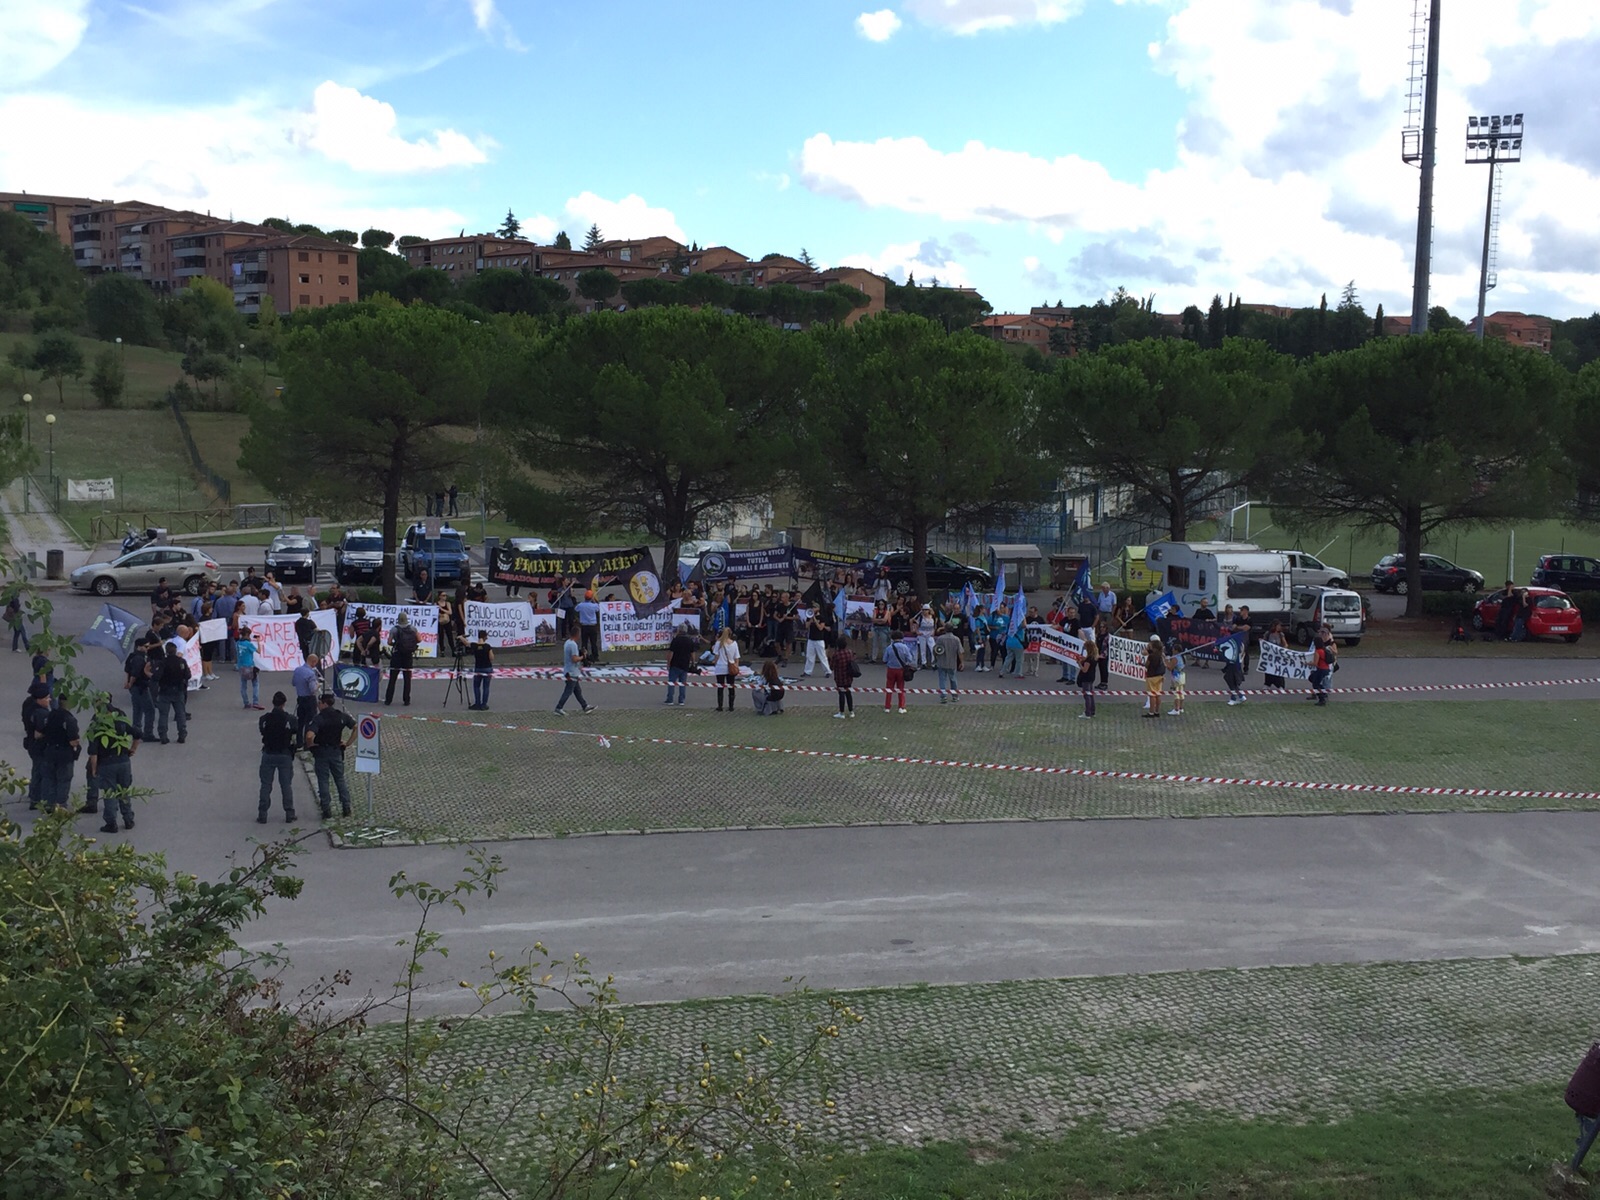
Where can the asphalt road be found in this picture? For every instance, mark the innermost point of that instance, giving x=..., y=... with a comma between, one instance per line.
x=687, y=915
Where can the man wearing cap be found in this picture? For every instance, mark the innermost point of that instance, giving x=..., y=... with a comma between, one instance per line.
x=278, y=733
x=112, y=742
x=326, y=737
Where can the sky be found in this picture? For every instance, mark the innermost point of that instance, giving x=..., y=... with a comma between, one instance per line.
x=1034, y=149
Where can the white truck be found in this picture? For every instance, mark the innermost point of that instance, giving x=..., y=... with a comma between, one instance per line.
x=1223, y=573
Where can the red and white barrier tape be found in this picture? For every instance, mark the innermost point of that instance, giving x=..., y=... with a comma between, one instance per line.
x=1385, y=789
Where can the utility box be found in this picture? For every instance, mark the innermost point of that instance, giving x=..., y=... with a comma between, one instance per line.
x=1023, y=563
x=1064, y=570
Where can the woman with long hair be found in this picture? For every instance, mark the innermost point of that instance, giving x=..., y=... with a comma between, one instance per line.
x=725, y=665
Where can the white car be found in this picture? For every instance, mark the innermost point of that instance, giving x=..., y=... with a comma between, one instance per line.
x=142, y=570
x=1307, y=570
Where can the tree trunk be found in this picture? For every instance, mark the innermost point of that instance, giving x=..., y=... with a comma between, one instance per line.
x=919, y=561
x=1411, y=531
x=1178, y=510
x=391, y=517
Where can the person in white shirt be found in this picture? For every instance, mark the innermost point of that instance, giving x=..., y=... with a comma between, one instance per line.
x=1106, y=601
x=249, y=602
x=725, y=666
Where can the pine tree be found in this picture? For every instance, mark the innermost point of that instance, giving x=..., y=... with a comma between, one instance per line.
x=562, y=242
x=805, y=257
x=1377, y=323
x=510, y=227
x=592, y=239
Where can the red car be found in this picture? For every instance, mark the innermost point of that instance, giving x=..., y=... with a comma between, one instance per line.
x=1553, y=614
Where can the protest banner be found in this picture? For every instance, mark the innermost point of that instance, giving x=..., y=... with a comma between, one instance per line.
x=621, y=629
x=815, y=562
x=190, y=650
x=1280, y=660
x=1125, y=657
x=513, y=623
x=424, y=619
x=858, y=614
x=1057, y=645
x=92, y=489
x=1208, y=641
x=589, y=569
x=277, y=643
x=358, y=683
x=770, y=563
x=214, y=629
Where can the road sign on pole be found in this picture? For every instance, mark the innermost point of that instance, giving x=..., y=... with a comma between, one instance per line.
x=314, y=528
x=367, y=749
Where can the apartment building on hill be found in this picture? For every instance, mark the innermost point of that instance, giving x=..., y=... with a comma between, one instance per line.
x=293, y=270
x=52, y=214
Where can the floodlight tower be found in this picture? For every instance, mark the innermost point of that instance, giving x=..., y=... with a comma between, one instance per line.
x=1417, y=143
x=1493, y=140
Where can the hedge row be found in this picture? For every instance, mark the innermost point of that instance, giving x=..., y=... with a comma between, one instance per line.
x=1446, y=605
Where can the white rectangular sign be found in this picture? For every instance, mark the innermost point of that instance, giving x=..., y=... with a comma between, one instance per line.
x=513, y=623
x=215, y=629
x=277, y=644
x=621, y=630
x=424, y=619
x=368, y=750
x=1125, y=657
x=1282, y=661
x=91, y=489
x=1054, y=644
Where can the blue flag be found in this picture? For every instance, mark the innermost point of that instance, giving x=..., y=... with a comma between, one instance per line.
x=1019, y=613
x=969, y=600
x=1082, y=587
x=839, y=608
x=1164, y=605
x=114, y=628
x=352, y=682
x=999, y=591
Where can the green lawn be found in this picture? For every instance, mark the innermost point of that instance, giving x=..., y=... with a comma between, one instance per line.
x=150, y=372
x=463, y=781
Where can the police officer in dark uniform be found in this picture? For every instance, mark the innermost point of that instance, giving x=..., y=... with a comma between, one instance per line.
x=137, y=684
x=112, y=742
x=278, y=734
x=326, y=737
x=59, y=746
x=35, y=708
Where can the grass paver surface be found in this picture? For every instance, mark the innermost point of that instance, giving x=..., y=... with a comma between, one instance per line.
x=555, y=777
x=981, y=1062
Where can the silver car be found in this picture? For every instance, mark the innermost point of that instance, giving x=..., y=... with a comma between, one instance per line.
x=1307, y=570
x=143, y=570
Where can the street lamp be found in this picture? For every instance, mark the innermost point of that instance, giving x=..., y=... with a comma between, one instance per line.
x=50, y=420
x=241, y=354
x=119, y=351
x=27, y=407
x=1492, y=140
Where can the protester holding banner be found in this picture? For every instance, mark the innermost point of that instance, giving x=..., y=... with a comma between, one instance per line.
x=1275, y=638
x=368, y=646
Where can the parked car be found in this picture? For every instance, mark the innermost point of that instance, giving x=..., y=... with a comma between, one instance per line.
x=1307, y=570
x=1339, y=609
x=945, y=574
x=528, y=544
x=143, y=569
x=358, y=558
x=1438, y=575
x=294, y=556
x=1568, y=572
x=1553, y=615
x=445, y=556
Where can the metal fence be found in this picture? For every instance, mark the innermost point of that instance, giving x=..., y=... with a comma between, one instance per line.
x=220, y=487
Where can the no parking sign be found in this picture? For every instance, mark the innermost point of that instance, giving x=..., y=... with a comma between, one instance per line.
x=367, y=745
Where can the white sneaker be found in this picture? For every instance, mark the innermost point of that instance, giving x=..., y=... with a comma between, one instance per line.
x=1231, y=703
x=838, y=716
x=902, y=711
x=1083, y=716
x=851, y=714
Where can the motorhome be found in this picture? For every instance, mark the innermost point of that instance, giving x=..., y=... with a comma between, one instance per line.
x=1224, y=573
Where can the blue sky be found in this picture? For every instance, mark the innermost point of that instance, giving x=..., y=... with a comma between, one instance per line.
x=1036, y=149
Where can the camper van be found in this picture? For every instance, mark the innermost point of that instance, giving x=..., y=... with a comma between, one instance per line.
x=1236, y=573
x=1337, y=608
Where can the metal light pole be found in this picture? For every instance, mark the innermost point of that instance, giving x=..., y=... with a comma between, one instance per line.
x=1493, y=140
x=119, y=352
x=1424, y=155
x=27, y=407
x=50, y=421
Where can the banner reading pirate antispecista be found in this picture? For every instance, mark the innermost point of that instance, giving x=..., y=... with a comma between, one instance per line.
x=633, y=569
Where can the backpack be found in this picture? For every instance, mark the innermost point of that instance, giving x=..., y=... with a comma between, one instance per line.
x=405, y=641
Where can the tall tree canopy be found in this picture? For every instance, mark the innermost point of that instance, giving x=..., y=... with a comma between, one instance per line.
x=1416, y=432
x=1179, y=424
x=366, y=392
x=910, y=428
x=37, y=272
x=119, y=306
x=652, y=419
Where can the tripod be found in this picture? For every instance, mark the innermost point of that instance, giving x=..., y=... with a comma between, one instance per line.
x=457, y=682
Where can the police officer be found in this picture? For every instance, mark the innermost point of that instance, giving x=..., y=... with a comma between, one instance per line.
x=278, y=735
x=136, y=668
x=59, y=746
x=112, y=742
x=35, y=708
x=326, y=737
x=172, y=694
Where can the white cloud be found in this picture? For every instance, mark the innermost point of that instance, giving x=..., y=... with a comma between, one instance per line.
x=491, y=22
x=1285, y=179
x=629, y=217
x=975, y=16
x=878, y=26
x=35, y=37
x=348, y=127
x=926, y=260
x=233, y=161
